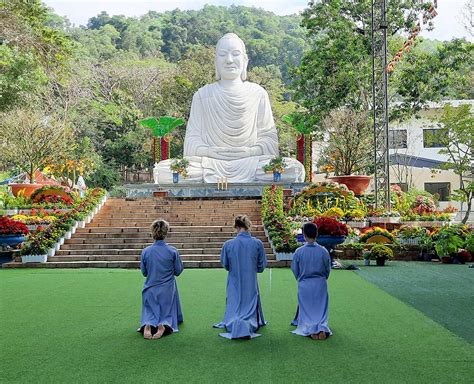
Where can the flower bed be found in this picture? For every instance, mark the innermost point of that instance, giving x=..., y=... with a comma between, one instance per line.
x=325, y=203
x=278, y=227
x=47, y=238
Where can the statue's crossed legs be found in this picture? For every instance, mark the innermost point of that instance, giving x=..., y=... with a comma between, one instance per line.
x=249, y=170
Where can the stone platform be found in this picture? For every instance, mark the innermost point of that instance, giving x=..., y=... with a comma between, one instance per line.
x=203, y=190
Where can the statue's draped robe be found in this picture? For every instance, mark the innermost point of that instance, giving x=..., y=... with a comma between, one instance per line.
x=311, y=266
x=160, y=263
x=231, y=118
x=244, y=257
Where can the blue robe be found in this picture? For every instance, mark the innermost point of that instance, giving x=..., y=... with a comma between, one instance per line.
x=160, y=263
x=311, y=266
x=244, y=257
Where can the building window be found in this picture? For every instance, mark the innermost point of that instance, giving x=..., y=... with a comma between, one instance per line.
x=397, y=138
x=432, y=138
x=440, y=190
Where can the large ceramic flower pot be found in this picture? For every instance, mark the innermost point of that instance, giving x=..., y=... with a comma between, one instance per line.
x=27, y=189
x=11, y=240
x=329, y=242
x=356, y=183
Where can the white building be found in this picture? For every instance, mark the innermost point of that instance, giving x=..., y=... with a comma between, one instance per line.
x=414, y=155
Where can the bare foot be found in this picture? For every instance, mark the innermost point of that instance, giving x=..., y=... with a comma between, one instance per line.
x=147, y=332
x=159, y=333
x=322, y=336
x=315, y=336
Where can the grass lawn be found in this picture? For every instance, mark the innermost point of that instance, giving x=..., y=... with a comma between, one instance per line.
x=445, y=293
x=79, y=326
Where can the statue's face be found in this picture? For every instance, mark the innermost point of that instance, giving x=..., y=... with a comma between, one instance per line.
x=230, y=59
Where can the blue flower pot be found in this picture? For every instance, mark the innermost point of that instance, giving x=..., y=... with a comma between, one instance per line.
x=329, y=242
x=11, y=240
x=175, y=178
x=276, y=176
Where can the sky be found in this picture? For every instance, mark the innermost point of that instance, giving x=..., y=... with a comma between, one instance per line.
x=78, y=12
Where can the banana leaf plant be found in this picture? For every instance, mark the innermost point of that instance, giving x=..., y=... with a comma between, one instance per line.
x=161, y=128
x=303, y=142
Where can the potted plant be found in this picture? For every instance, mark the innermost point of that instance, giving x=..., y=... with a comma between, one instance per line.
x=34, y=250
x=382, y=217
x=355, y=218
x=179, y=166
x=350, y=147
x=330, y=232
x=277, y=166
x=410, y=235
x=448, y=240
x=12, y=232
x=380, y=253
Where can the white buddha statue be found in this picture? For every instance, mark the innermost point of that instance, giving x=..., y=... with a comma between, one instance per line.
x=231, y=132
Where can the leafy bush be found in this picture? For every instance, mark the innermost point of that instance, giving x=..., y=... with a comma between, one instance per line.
x=469, y=245
x=279, y=228
x=449, y=239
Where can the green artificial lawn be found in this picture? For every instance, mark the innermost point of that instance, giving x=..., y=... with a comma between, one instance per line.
x=445, y=293
x=79, y=326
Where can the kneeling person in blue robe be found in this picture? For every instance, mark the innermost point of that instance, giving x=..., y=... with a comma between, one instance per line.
x=311, y=266
x=160, y=263
x=244, y=257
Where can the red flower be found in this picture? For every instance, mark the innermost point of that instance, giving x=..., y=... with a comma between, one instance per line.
x=331, y=227
x=12, y=227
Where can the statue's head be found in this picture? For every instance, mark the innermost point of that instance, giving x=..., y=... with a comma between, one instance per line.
x=231, y=58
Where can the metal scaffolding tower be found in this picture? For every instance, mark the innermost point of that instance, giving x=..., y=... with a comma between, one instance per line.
x=380, y=104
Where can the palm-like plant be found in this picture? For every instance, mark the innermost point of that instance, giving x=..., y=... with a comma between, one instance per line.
x=161, y=128
x=303, y=142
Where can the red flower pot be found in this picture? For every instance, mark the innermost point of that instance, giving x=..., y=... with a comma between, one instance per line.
x=355, y=183
x=27, y=188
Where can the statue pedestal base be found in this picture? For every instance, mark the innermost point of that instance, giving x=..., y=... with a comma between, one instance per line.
x=195, y=190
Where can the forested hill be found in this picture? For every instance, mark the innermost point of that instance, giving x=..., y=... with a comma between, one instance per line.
x=270, y=39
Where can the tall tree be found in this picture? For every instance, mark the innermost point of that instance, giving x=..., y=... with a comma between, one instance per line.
x=336, y=71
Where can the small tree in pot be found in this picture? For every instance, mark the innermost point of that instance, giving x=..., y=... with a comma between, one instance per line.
x=350, y=147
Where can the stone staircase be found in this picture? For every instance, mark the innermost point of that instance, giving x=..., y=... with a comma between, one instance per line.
x=118, y=233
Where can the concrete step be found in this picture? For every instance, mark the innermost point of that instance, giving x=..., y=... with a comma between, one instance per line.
x=184, y=258
x=173, y=229
x=97, y=222
x=172, y=236
x=137, y=251
x=87, y=239
x=126, y=264
x=141, y=245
